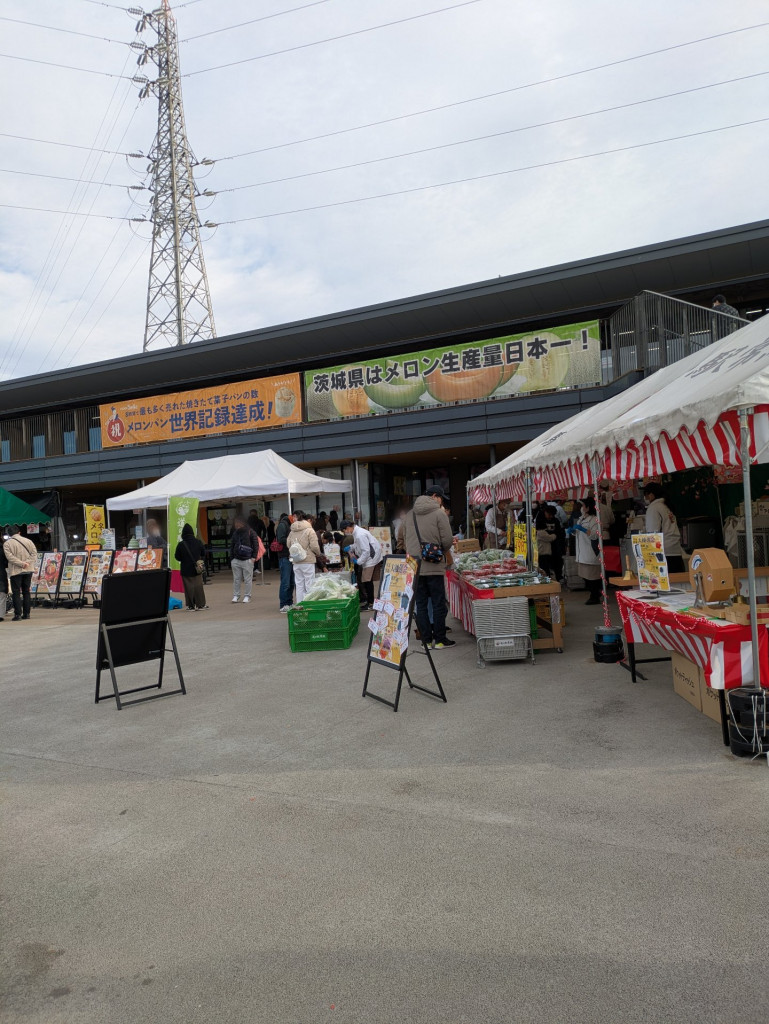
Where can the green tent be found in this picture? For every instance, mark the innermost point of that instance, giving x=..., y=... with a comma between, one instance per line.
x=14, y=510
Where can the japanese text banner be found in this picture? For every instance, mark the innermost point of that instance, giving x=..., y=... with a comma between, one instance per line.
x=246, y=405
x=498, y=368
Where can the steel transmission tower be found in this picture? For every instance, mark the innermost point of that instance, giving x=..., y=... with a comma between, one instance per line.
x=178, y=300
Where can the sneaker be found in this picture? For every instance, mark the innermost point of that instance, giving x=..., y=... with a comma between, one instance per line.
x=444, y=643
x=235, y=600
x=246, y=600
x=285, y=609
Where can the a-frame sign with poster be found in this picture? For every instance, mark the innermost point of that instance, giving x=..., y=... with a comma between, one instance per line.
x=390, y=628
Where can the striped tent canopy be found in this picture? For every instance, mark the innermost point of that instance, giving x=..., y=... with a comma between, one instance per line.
x=681, y=417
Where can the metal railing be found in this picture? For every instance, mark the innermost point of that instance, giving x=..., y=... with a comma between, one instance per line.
x=654, y=330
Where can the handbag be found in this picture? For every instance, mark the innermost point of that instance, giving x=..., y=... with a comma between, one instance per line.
x=430, y=552
x=276, y=546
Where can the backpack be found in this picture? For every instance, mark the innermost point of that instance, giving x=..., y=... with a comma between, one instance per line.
x=242, y=551
x=296, y=552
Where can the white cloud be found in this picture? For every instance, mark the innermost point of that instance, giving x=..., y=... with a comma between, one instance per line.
x=65, y=274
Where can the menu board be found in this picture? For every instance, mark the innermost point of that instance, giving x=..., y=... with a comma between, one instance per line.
x=392, y=611
x=99, y=564
x=73, y=572
x=124, y=561
x=150, y=558
x=652, y=565
x=36, y=565
x=50, y=570
x=384, y=535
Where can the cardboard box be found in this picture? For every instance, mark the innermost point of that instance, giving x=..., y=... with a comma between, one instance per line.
x=709, y=701
x=544, y=611
x=686, y=680
x=740, y=613
x=462, y=546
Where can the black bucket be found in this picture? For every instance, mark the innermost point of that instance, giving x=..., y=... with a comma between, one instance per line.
x=748, y=721
x=607, y=646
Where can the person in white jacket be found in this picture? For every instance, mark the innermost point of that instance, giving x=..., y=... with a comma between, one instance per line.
x=660, y=519
x=366, y=552
x=586, y=531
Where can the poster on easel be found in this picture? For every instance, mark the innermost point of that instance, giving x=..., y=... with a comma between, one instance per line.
x=73, y=573
x=384, y=535
x=649, y=552
x=36, y=566
x=50, y=570
x=99, y=565
x=389, y=625
x=124, y=561
x=149, y=558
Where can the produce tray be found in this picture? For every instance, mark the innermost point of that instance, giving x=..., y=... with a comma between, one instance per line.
x=323, y=638
x=334, y=614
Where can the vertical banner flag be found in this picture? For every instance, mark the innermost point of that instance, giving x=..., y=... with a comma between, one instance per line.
x=95, y=522
x=180, y=511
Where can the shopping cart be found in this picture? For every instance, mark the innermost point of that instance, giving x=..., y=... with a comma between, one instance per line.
x=503, y=630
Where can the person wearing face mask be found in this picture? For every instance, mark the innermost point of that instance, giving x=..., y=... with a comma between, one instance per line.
x=660, y=519
x=586, y=530
x=156, y=540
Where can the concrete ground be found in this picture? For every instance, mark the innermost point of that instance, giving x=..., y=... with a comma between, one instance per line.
x=553, y=844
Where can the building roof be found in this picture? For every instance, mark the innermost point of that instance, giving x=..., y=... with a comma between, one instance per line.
x=585, y=288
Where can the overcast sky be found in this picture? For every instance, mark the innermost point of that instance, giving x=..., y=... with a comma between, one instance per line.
x=73, y=289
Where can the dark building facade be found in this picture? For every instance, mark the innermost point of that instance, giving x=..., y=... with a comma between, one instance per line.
x=51, y=430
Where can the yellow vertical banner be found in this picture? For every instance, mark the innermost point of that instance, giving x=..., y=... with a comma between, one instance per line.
x=95, y=522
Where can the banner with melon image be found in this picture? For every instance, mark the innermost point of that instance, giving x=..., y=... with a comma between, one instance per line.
x=515, y=364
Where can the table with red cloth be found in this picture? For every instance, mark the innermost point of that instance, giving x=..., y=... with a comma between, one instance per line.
x=722, y=649
x=462, y=594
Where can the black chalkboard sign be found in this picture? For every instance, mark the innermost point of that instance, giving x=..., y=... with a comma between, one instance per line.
x=134, y=628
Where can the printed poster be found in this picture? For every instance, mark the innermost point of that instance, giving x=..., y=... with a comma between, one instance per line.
x=73, y=573
x=95, y=523
x=180, y=511
x=516, y=364
x=36, y=566
x=390, y=624
x=384, y=535
x=99, y=564
x=247, y=405
x=124, y=561
x=652, y=564
x=519, y=542
x=50, y=571
x=150, y=558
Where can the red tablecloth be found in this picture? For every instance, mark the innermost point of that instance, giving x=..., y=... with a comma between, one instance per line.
x=722, y=649
x=461, y=597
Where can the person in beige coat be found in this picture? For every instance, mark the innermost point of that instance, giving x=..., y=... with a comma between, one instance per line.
x=20, y=553
x=305, y=538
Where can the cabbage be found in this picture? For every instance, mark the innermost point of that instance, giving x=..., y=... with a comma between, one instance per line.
x=329, y=588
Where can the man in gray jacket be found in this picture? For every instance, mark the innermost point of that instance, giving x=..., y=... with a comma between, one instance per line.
x=427, y=523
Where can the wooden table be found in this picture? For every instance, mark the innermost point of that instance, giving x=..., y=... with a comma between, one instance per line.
x=462, y=594
x=682, y=577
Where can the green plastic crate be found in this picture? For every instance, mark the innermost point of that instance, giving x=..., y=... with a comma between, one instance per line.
x=323, y=638
x=314, y=615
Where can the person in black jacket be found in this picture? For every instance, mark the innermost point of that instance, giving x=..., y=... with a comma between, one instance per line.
x=188, y=552
x=286, y=593
x=244, y=548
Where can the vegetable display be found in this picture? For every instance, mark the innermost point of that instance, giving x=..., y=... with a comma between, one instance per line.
x=329, y=588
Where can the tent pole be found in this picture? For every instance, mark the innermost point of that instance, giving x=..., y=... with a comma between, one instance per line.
x=604, y=585
x=494, y=507
x=745, y=415
x=529, y=551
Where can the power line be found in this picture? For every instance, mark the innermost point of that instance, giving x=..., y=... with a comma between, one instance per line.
x=492, y=95
x=67, y=145
x=67, y=67
x=331, y=39
x=253, y=21
x=60, y=177
x=68, y=31
x=491, y=135
x=494, y=174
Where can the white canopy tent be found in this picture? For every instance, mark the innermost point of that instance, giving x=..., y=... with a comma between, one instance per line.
x=262, y=474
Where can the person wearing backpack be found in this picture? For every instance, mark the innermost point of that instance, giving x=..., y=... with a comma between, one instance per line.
x=303, y=550
x=244, y=550
x=286, y=567
x=426, y=535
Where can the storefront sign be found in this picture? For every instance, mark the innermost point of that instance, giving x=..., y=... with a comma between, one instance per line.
x=516, y=364
x=95, y=522
x=652, y=564
x=247, y=405
x=180, y=511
